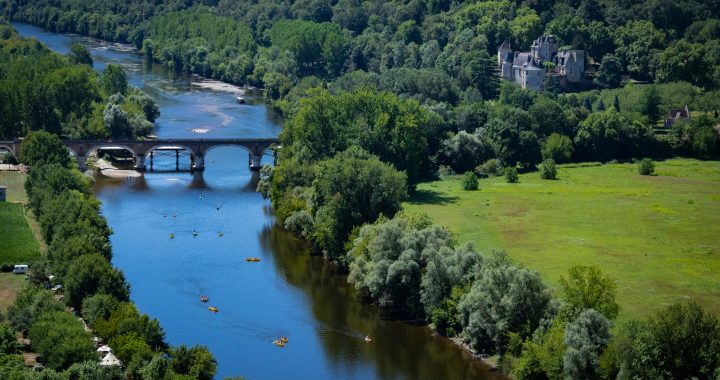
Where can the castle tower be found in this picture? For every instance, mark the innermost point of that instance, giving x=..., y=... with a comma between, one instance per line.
x=506, y=69
x=544, y=48
x=503, y=50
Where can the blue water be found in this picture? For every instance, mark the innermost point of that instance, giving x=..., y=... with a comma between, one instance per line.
x=288, y=293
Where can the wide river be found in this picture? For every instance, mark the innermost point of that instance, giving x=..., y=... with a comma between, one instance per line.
x=288, y=293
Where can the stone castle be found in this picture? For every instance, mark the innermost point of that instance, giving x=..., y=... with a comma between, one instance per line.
x=528, y=69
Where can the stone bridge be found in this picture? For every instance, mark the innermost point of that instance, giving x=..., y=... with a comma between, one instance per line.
x=140, y=149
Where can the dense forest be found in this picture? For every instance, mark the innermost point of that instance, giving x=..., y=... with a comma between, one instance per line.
x=42, y=90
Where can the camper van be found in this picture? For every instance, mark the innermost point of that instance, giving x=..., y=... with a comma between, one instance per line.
x=20, y=269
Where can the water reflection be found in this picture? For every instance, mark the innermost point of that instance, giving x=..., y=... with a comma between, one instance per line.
x=399, y=350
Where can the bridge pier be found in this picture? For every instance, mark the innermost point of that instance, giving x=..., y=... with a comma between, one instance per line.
x=255, y=164
x=82, y=162
x=198, y=163
x=140, y=162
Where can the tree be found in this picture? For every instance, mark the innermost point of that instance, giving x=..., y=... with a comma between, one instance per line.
x=600, y=106
x=469, y=181
x=504, y=298
x=680, y=342
x=386, y=262
x=8, y=341
x=41, y=148
x=80, y=55
x=117, y=122
x=91, y=370
x=650, y=104
x=114, y=80
x=61, y=340
x=98, y=306
x=646, y=167
x=705, y=142
x=196, y=361
x=616, y=104
x=558, y=148
x=548, y=169
x=92, y=274
x=542, y=356
x=511, y=174
x=353, y=188
x=463, y=151
x=586, y=287
x=609, y=74
x=607, y=135
x=585, y=338
x=684, y=61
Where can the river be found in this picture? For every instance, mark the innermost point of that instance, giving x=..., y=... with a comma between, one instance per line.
x=288, y=293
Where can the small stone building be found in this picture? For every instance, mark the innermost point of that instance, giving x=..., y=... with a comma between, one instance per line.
x=682, y=114
x=3, y=193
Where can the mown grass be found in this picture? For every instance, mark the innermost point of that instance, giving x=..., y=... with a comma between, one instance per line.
x=10, y=285
x=17, y=243
x=15, y=183
x=657, y=236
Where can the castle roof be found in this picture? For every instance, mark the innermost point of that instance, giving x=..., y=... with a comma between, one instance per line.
x=505, y=46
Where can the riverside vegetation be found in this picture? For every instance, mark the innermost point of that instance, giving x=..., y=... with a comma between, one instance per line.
x=381, y=96
x=79, y=256
x=45, y=91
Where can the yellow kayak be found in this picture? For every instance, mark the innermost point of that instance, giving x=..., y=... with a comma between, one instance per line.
x=278, y=343
x=283, y=339
x=213, y=309
x=252, y=259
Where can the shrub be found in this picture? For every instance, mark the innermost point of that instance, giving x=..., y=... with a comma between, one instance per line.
x=491, y=167
x=511, y=175
x=6, y=267
x=548, y=169
x=646, y=167
x=470, y=181
x=558, y=147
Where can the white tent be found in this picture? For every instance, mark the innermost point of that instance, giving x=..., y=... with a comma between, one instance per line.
x=104, y=349
x=110, y=360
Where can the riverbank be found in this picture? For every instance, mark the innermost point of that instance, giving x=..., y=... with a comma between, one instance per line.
x=109, y=170
x=655, y=235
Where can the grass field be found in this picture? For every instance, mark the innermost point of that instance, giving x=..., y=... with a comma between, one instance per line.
x=17, y=243
x=15, y=182
x=10, y=285
x=657, y=236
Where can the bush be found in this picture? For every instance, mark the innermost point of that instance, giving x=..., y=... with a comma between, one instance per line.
x=646, y=167
x=511, y=175
x=558, y=147
x=6, y=267
x=548, y=169
x=491, y=167
x=470, y=181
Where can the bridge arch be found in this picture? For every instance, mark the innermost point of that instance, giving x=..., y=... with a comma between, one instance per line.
x=255, y=152
x=9, y=148
x=150, y=152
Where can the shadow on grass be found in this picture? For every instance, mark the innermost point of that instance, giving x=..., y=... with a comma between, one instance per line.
x=429, y=197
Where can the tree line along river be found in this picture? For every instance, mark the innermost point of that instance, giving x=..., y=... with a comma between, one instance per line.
x=288, y=293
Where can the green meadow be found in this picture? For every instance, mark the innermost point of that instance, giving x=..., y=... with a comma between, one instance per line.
x=17, y=243
x=19, y=231
x=657, y=236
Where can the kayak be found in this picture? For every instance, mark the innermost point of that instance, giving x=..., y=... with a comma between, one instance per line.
x=252, y=259
x=213, y=309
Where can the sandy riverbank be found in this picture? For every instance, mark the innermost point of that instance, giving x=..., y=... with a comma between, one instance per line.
x=108, y=170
